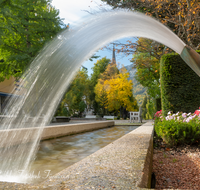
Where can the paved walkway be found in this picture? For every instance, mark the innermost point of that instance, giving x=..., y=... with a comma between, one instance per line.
x=117, y=122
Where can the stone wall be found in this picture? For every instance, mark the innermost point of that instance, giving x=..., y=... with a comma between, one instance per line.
x=63, y=130
x=52, y=131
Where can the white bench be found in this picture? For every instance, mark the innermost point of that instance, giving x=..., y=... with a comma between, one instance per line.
x=109, y=117
x=91, y=116
x=136, y=116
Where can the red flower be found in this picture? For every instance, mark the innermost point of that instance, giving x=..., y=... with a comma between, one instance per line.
x=158, y=114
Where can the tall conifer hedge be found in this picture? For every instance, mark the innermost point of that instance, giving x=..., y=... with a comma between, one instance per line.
x=180, y=85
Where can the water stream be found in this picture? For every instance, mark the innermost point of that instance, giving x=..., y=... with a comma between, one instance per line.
x=57, y=154
x=48, y=77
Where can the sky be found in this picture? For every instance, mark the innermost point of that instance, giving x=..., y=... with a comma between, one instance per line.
x=73, y=10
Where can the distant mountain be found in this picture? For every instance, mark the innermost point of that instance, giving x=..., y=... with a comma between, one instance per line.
x=131, y=71
x=139, y=91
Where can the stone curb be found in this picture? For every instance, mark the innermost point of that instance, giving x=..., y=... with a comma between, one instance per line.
x=49, y=132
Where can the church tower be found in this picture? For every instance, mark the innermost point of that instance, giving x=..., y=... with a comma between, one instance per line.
x=113, y=56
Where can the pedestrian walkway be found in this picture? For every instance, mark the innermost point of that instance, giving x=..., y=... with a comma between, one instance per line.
x=117, y=122
x=75, y=122
x=127, y=122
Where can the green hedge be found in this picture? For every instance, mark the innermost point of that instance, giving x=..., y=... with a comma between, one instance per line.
x=158, y=104
x=180, y=85
x=178, y=133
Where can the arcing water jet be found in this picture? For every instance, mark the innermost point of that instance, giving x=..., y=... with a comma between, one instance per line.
x=192, y=58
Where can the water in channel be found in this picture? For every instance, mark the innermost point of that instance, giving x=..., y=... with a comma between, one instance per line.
x=57, y=154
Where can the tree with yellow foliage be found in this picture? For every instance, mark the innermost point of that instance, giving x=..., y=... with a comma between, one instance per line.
x=119, y=93
x=115, y=91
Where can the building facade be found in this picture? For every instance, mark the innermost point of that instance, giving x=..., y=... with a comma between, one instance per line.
x=7, y=88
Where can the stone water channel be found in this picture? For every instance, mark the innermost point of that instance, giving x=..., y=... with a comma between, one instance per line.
x=57, y=154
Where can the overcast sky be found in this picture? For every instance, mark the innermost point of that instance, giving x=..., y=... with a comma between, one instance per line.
x=73, y=10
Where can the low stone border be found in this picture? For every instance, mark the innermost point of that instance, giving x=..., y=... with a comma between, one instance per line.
x=87, y=119
x=63, y=130
x=52, y=131
x=128, y=124
x=124, y=164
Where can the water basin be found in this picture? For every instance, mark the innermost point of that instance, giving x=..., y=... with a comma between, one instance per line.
x=57, y=154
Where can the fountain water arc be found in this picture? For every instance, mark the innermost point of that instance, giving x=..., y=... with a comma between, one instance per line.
x=49, y=75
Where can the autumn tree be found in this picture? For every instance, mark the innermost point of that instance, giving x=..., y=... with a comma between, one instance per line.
x=25, y=26
x=110, y=72
x=181, y=16
x=119, y=93
x=117, y=90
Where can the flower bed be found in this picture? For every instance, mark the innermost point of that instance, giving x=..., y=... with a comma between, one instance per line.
x=179, y=128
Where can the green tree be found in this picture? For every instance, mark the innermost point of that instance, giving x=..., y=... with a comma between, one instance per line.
x=27, y=25
x=151, y=107
x=101, y=97
x=77, y=96
x=99, y=67
x=144, y=109
x=148, y=67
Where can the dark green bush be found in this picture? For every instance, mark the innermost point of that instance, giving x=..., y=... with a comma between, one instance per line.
x=180, y=85
x=158, y=104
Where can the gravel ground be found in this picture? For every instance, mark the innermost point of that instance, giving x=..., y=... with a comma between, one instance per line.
x=177, y=168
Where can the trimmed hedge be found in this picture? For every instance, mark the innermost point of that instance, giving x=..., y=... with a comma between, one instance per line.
x=180, y=85
x=158, y=104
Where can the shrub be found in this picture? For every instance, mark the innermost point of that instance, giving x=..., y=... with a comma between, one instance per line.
x=179, y=128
